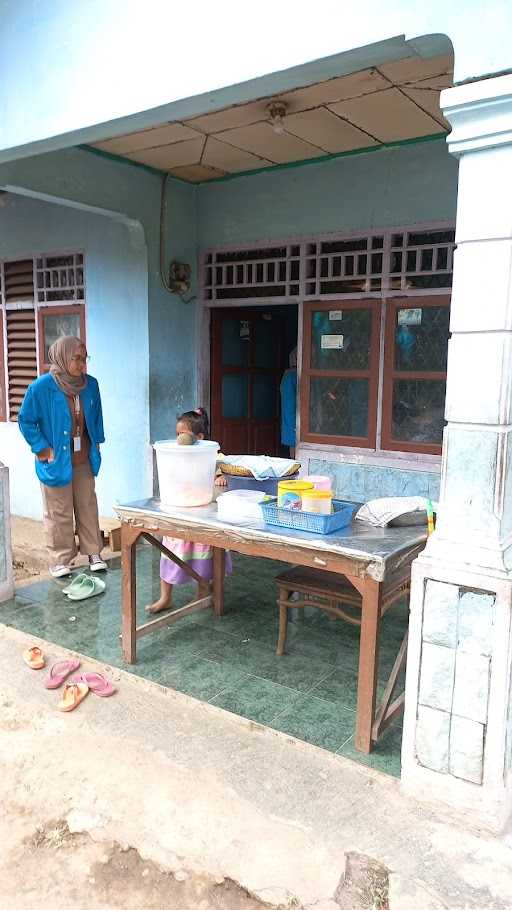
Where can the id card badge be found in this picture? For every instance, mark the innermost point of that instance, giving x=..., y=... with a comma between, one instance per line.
x=77, y=444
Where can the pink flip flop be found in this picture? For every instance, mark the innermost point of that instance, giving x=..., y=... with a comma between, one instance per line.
x=96, y=682
x=59, y=671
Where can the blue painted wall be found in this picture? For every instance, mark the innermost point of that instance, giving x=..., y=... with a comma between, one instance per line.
x=416, y=182
x=392, y=187
x=116, y=278
x=359, y=483
x=84, y=179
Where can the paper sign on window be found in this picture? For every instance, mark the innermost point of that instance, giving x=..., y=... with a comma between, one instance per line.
x=331, y=342
x=335, y=315
x=409, y=317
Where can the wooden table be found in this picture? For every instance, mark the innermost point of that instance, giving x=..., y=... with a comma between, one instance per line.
x=373, y=560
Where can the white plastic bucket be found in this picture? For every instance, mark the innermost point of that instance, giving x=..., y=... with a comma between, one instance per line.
x=186, y=473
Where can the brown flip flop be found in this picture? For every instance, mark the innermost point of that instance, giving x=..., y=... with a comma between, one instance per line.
x=34, y=658
x=72, y=695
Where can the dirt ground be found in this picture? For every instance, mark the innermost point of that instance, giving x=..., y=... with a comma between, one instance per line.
x=53, y=866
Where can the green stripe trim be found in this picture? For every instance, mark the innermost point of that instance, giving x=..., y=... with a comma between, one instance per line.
x=384, y=146
x=110, y=156
x=328, y=157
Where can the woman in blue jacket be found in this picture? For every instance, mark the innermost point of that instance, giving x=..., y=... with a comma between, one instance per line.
x=62, y=422
x=289, y=404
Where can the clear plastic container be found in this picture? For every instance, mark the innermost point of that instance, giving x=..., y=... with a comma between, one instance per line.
x=186, y=473
x=319, y=481
x=290, y=493
x=240, y=506
x=319, y=501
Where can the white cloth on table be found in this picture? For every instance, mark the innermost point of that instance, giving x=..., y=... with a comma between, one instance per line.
x=262, y=467
x=379, y=512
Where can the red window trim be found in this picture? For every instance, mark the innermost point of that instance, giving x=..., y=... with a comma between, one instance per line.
x=372, y=374
x=391, y=374
x=71, y=309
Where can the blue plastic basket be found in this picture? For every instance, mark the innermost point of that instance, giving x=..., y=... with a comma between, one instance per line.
x=310, y=521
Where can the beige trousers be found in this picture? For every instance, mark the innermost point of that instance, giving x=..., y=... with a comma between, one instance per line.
x=59, y=505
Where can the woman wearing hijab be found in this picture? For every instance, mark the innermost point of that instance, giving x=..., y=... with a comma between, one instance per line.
x=62, y=422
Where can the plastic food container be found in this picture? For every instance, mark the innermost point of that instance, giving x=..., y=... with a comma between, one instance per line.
x=290, y=493
x=186, y=473
x=319, y=501
x=319, y=481
x=239, y=506
x=237, y=482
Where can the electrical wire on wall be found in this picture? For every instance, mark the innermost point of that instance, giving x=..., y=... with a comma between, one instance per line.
x=179, y=273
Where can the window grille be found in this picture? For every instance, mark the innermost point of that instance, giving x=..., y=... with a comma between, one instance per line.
x=344, y=266
x=422, y=260
x=60, y=279
x=41, y=298
x=418, y=260
x=269, y=272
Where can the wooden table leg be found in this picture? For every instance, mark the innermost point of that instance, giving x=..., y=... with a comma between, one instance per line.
x=129, y=537
x=368, y=664
x=219, y=571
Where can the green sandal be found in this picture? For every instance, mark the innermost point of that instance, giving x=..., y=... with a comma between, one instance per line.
x=75, y=584
x=89, y=587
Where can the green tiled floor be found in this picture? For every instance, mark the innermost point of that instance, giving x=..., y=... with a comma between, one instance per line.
x=309, y=693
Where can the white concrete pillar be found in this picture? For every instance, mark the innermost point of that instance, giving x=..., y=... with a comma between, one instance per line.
x=6, y=574
x=457, y=744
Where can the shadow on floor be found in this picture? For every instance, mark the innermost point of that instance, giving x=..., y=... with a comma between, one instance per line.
x=230, y=662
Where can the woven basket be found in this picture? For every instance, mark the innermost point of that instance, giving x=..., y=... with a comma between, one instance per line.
x=244, y=472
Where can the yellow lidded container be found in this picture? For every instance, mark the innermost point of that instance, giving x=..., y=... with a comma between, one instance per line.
x=319, y=501
x=290, y=493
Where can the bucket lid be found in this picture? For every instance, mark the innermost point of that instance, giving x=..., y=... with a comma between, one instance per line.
x=171, y=445
x=242, y=496
x=299, y=485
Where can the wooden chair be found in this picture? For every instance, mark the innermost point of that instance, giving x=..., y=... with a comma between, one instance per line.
x=339, y=599
x=328, y=592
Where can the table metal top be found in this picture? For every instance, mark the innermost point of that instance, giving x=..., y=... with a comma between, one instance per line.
x=358, y=541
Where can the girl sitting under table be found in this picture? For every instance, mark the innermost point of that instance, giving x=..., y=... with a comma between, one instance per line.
x=199, y=556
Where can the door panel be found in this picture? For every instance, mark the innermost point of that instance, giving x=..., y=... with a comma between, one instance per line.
x=248, y=353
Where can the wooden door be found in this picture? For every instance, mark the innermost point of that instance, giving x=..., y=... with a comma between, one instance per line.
x=248, y=349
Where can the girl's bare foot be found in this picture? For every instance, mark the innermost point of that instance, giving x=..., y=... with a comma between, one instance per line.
x=163, y=603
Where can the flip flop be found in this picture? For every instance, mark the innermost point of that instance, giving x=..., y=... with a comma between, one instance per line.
x=74, y=585
x=72, y=695
x=90, y=587
x=59, y=671
x=34, y=658
x=96, y=682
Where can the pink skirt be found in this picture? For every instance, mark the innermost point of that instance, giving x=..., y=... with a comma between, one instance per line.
x=199, y=556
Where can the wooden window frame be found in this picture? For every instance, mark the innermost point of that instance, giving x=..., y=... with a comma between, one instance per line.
x=371, y=374
x=71, y=309
x=391, y=374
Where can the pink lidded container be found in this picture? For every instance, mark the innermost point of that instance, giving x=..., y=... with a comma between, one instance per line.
x=319, y=481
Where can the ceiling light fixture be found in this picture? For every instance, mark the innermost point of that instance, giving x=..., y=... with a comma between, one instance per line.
x=276, y=113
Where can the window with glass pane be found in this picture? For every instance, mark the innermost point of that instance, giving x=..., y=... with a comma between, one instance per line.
x=340, y=370
x=416, y=353
x=53, y=323
x=57, y=326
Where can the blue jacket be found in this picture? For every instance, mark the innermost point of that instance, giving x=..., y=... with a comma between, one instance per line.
x=45, y=421
x=288, y=407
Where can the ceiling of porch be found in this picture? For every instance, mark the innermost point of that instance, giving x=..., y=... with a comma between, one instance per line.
x=389, y=103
